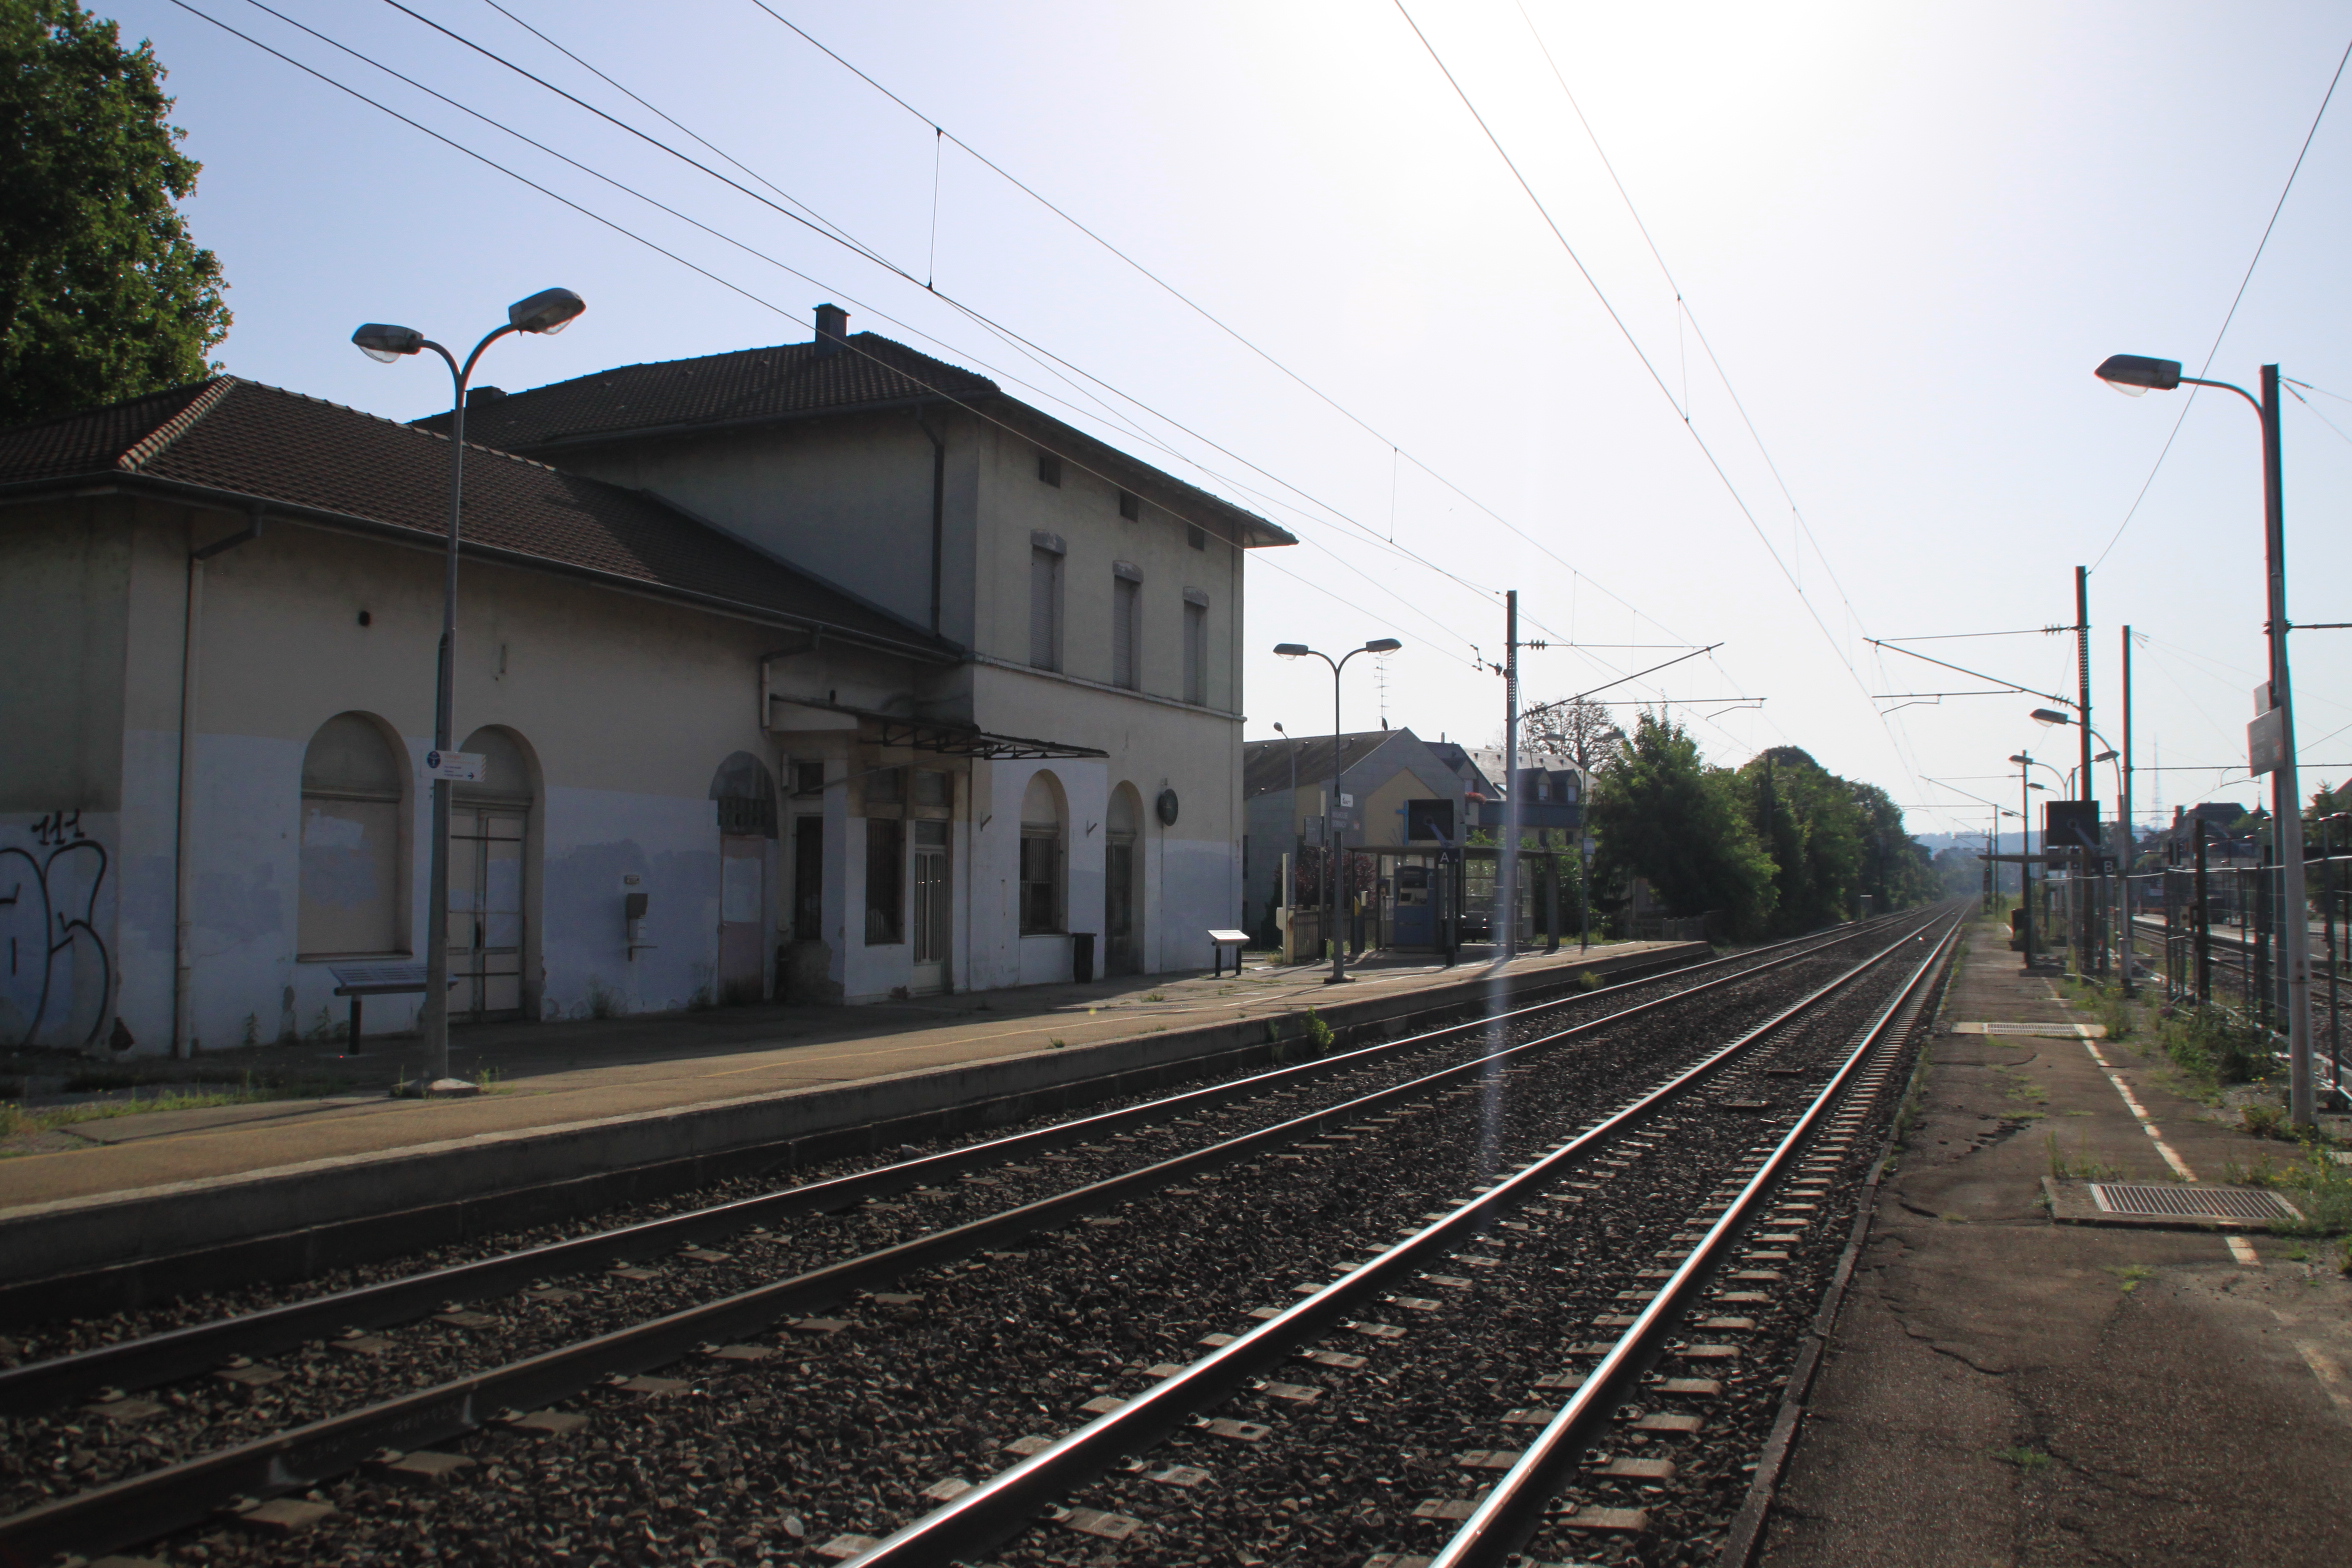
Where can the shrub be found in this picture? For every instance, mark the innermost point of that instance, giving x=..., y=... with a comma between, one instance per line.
x=2210, y=1046
x=1318, y=1033
x=2265, y=1121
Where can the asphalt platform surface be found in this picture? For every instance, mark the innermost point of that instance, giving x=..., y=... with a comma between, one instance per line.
x=2007, y=1391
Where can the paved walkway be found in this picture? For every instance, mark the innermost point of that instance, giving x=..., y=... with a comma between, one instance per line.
x=547, y=1075
x=2005, y=1391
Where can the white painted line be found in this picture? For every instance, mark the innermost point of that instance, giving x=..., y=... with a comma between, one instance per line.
x=2036, y=1031
x=2243, y=1250
x=2179, y=1166
x=2330, y=1374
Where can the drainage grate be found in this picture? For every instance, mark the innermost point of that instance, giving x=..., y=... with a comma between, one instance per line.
x=2209, y=1203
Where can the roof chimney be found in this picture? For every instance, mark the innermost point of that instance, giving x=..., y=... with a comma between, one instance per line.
x=477, y=396
x=832, y=330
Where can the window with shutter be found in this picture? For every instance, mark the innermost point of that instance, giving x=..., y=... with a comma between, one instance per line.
x=1045, y=609
x=1196, y=652
x=1126, y=647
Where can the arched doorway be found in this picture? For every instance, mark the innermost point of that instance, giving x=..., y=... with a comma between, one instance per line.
x=489, y=865
x=1123, y=884
x=746, y=794
x=353, y=790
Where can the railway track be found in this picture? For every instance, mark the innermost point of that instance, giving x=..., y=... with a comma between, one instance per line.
x=913, y=1246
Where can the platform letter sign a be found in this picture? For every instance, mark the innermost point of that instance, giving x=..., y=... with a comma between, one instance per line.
x=2266, y=742
x=461, y=767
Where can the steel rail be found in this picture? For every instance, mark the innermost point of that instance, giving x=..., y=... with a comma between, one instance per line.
x=1004, y=1504
x=191, y=1351
x=1513, y=1510
x=141, y=1507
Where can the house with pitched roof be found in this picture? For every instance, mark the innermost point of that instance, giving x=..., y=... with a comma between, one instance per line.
x=1398, y=797
x=832, y=716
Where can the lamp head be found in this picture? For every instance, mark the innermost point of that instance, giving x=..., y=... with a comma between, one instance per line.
x=385, y=344
x=1292, y=650
x=547, y=312
x=2106, y=756
x=1382, y=645
x=2136, y=375
x=2049, y=716
x=1278, y=729
x=2021, y=759
x=2044, y=788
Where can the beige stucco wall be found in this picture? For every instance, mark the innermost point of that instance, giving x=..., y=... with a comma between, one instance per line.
x=842, y=497
x=847, y=500
x=64, y=620
x=1084, y=511
x=626, y=706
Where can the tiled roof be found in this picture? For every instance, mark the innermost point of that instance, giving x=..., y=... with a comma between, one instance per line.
x=245, y=441
x=1265, y=764
x=786, y=381
x=793, y=381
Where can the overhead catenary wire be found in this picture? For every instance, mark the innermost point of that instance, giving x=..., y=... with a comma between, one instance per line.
x=2231, y=314
x=1625, y=331
x=1684, y=312
x=1190, y=303
x=829, y=230
x=738, y=289
x=1012, y=339
x=753, y=251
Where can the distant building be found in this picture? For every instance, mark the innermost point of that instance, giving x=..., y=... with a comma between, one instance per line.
x=1400, y=794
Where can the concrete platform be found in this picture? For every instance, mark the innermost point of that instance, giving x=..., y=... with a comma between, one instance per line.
x=2005, y=1390
x=617, y=1110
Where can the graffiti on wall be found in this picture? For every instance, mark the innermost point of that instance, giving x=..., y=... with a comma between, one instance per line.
x=56, y=975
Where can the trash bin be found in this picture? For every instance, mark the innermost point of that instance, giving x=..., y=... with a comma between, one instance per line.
x=1082, y=955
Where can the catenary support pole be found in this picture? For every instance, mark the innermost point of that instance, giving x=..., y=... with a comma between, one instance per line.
x=1507, y=881
x=2083, y=916
x=2127, y=841
x=2287, y=786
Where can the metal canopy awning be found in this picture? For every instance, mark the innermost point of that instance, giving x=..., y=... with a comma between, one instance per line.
x=940, y=737
x=964, y=740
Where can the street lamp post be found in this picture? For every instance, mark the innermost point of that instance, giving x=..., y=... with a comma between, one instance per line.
x=546, y=313
x=1331, y=837
x=2136, y=374
x=1298, y=840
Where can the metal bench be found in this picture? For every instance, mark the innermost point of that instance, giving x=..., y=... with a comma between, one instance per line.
x=1221, y=940
x=359, y=981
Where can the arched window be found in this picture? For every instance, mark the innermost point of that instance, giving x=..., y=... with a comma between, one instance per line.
x=352, y=784
x=1041, y=856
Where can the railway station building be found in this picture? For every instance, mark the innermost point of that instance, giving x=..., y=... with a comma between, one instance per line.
x=854, y=677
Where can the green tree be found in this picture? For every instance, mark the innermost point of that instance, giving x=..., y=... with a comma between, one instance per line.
x=1896, y=871
x=103, y=294
x=1811, y=825
x=1661, y=813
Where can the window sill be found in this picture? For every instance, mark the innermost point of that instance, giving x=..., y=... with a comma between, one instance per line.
x=347, y=958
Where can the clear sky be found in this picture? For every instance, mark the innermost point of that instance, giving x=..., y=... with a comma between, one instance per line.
x=1905, y=233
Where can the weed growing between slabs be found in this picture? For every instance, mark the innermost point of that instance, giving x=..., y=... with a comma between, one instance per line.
x=2209, y=1049
x=2064, y=1168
